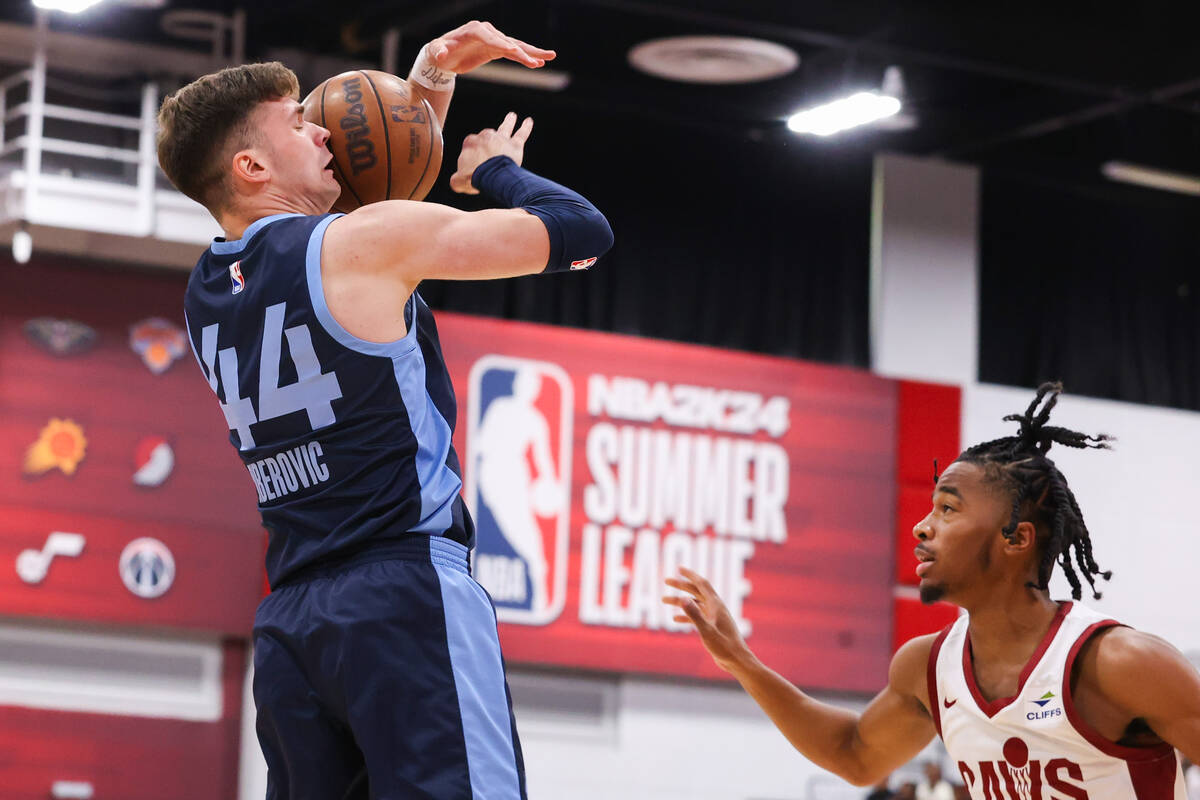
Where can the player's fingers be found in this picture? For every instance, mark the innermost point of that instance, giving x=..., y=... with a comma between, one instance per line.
x=701, y=583
x=536, y=52
x=522, y=134
x=506, y=127
x=684, y=586
x=461, y=183
x=694, y=614
x=680, y=618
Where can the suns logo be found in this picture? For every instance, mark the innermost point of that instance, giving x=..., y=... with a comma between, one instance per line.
x=518, y=484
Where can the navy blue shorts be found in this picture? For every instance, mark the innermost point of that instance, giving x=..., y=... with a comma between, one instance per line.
x=384, y=679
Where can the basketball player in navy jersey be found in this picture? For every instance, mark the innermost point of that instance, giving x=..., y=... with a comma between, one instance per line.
x=1033, y=698
x=378, y=672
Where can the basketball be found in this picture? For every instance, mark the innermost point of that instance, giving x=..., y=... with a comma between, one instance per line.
x=386, y=141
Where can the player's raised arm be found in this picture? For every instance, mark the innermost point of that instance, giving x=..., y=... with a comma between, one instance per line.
x=461, y=50
x=546, y=227
x=893, y=729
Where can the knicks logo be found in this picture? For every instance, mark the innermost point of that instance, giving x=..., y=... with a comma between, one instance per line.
x=518, y=484
x=1018, y=777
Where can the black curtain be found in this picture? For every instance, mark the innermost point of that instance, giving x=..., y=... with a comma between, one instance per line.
x=1095, y=285
x=757, y=244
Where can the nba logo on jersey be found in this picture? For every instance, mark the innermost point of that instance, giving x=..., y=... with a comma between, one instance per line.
x=235, y=275
x=518, y=484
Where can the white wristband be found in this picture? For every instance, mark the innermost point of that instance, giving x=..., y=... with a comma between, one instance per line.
x=430, y=76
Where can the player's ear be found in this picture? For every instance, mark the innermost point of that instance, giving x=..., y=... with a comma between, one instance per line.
x=246, y=165
x=1023, y=539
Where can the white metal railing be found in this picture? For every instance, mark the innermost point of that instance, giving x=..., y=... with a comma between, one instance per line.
x=32, y=144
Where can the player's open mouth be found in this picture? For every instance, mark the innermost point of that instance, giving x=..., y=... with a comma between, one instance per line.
x=926, y=559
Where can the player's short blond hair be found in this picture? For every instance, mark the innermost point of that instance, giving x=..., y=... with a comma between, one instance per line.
x=208, y=120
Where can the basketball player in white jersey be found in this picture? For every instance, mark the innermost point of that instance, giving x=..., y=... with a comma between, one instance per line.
x=1035, y=699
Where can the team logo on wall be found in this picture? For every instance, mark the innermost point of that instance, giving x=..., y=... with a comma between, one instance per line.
x=60, y=445
x=154, y=460
x=34, y=565
x=518, y=484
x=147, y=568
x=159, y=342
x=62, y=337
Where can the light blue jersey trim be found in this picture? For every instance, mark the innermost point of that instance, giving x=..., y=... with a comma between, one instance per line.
x=316, y=294
x=479, y=682
x=439, y=485
x=223, y=248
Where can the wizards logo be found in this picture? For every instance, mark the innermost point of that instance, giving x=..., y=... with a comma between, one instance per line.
x=518, y=484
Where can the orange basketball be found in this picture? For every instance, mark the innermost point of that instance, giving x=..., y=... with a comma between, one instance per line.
x=386, y=141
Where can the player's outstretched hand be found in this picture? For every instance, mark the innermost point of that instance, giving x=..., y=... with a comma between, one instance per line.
x=479, y=147
x=705, y=610
x=476, y=43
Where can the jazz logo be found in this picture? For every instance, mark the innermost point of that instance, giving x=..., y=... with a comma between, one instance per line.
x=518, y=483
x=34, y=565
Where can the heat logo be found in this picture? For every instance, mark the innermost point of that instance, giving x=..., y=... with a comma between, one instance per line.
x=518, y=483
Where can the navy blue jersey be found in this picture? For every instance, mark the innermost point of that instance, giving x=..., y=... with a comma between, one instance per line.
x=348, y=442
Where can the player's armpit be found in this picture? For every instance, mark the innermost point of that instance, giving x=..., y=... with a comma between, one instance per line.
x=1148, y=679
x=415, y=241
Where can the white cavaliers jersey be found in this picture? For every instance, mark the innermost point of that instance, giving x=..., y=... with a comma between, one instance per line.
x=1035, y=745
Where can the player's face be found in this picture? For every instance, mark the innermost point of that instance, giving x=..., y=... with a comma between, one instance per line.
x=960, y=537
x=301, y=165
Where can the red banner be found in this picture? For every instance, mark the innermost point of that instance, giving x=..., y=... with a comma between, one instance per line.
x=596, y=464
x=120, y=498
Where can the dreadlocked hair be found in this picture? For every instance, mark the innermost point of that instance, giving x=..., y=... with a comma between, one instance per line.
x=1040, y=493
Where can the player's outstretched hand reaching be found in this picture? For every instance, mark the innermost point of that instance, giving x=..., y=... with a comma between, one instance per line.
x=479, y=147
x=705, y=609
x=476, y=43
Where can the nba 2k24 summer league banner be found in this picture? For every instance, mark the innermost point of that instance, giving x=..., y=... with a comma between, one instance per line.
x=596, y=464
x=121, y=500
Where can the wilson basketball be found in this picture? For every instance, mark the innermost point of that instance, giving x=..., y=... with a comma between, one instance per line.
x=386, y=141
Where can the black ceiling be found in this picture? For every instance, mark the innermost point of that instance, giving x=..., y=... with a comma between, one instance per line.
x=1048, y=87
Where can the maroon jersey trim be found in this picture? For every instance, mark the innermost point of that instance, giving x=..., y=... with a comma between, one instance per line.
x=993, y=707
x=1146, y=776
x=931, y=677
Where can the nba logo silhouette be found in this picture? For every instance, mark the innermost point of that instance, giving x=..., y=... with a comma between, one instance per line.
x=518, y=484
x=235, y=275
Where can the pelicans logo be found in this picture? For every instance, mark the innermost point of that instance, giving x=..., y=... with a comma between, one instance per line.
x=159, y=342
x=61, y=445
x=62, y=337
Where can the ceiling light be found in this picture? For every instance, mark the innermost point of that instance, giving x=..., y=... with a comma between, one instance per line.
x=22, y=245
x=69, y=6
x=713, y=59
x=1151, y=178
x=893, y=86
x=848, y=112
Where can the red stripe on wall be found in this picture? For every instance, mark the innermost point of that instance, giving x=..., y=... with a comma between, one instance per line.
x=928, y=425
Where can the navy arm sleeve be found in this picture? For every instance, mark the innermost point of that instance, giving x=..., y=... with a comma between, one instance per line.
x=579, y=233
